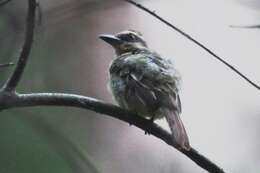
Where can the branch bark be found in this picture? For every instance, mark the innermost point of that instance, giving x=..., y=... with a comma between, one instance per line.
x=194, y=41
x=14, y=79
x=246, y=26
x=10, y=99
x=4, y=2
x=64, y=99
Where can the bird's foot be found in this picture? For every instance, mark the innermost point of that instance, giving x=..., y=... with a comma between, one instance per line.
x=146, y=133
x=151, y=120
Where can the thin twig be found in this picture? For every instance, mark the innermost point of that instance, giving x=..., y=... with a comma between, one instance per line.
x=14, y=79
x=63, y=99
x=4, y=2
x=6, y=64
x=246, y=26
x=39, y=13
x=194, y=41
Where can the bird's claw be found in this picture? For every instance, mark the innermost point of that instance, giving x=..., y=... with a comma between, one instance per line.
x=146, y=133
x=151, y=119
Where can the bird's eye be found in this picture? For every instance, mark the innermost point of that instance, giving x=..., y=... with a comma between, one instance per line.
x=127, y=37
x=132, y=37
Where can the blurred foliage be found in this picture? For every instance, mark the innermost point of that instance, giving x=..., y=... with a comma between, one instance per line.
x=23, y=150
x=31, y=141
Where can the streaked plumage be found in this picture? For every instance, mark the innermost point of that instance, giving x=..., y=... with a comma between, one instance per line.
x=143, y=82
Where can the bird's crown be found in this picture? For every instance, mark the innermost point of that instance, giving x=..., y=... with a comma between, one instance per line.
x=131, y=36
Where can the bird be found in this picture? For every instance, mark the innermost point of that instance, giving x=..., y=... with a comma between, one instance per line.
x=143, y=82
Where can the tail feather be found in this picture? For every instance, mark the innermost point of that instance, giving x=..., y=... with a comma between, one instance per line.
x=177, y=129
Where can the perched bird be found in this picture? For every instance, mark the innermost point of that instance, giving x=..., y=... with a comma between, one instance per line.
x=143, y=82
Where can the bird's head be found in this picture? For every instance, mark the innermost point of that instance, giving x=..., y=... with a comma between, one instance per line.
x=125, y=42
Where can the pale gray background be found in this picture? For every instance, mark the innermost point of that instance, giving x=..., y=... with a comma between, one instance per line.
x=220, y=110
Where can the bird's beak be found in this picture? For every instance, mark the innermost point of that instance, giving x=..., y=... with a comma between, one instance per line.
x=111, y=39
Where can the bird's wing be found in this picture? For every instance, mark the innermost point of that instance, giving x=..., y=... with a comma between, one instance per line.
x=156, y=84
x=156, y=75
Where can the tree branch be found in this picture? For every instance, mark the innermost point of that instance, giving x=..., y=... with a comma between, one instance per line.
x=39, y=13
x=63, y=99
x=246, y=26
x=194, y=41
x=2, y=3
x=14, y=79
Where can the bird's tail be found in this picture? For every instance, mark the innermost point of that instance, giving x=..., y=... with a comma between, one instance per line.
x=177, y=129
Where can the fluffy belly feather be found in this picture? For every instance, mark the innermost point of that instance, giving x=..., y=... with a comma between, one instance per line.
x=126, y=96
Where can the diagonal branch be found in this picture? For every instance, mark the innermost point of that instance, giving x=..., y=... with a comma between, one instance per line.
x=194, y=41
x=2, y=3
x=246, y=26
x=14, y=79
x=62, y=99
